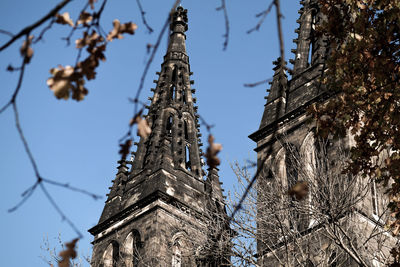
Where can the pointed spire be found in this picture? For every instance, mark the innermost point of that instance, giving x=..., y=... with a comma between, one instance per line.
x=113, y=202
x=276, y=99
x=174, y=141
x=303, y=41
x=213, y=186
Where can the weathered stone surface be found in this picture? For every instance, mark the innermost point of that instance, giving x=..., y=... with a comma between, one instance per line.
x=160, y=212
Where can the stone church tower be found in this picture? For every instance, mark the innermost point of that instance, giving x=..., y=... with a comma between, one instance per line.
x=160, y=211
x=340, y=221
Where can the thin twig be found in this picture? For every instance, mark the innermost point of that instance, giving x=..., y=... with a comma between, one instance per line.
x=18, y=87
x=68, y=38
x=25, y=143
x=25, y=196
x=155, y=48
x=44, y=30
x=208, y=126
x=72, y=188
x=27, y=30
x=257, y=83
x=263, y=15
x=60, y=212
x=6, y=33
x=238, y=206
x=280, y=34
x=142, y=13
x=226, y=35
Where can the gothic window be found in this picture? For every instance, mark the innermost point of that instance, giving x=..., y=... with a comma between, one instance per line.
x=174, y=82
x=291, y=165
x=185, y=126
x=312, y=35
x=173, y=90
x=174, y=75
x=170, y=122
x=184, y=96
x=187, y=158
x=132, y=245
x=309, y=171
x=111, y=255
x=176, y=254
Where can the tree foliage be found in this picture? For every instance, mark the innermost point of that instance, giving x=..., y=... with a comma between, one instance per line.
x=363, y=73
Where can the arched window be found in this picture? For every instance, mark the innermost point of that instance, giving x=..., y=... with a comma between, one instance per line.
x=170, y=122
x=132, y=245
x=188, y=164
x=177, y=254
x=309, y=171
x=111, y=255
x=312, y=36
x=174, y=82
x=291, y=163
x=184, y=95
x=185, y=126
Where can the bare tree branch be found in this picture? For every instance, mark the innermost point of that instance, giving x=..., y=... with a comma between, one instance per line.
x=150, y=60
x=142, y=13
x=6, y=33
x=59, y=211
x=27, y=30
x=226, y=35
x=257, y=83
x=280, y=34
x=263, y=15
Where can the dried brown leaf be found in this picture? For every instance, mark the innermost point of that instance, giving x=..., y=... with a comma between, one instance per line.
x=84, y=18
x=66, y=81
x=212, y=151
x=26, y=49
x=64, y=19
x=119, y=29
x=125, y=148
x=299, y=190
x=68, y=254
x=143, y=128
x=61, y=81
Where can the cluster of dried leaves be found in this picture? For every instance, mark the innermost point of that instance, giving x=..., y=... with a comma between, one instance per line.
x=143, y=130
x=68, y=254
x=299, y=190
x=212, y=151
x=69, y=81
x=364, y=71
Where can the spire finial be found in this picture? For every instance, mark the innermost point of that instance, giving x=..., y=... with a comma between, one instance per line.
x=179, y=20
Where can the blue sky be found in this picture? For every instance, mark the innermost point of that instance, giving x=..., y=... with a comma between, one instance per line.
x=78, y=142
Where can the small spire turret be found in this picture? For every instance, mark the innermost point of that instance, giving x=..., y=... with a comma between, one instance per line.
x=276, y=99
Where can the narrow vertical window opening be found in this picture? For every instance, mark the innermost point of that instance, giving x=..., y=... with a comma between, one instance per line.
x=187, y=158
x=174, y=82
x=374, y=196
x=186, y=130
x=184, y=95
x=312, y=38
x=176, y=256
x=170, y=121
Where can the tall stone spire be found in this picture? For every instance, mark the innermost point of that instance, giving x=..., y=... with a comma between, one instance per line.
x=276, y=99
x=160, y=212
x=174, y=142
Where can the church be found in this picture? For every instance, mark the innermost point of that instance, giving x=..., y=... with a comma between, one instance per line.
x=161, y=211
x=309, y=213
